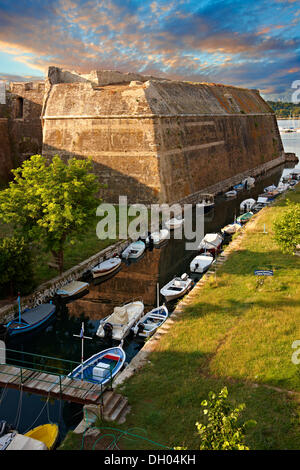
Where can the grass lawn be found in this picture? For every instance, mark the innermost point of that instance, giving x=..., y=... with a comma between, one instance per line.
x=233, y=334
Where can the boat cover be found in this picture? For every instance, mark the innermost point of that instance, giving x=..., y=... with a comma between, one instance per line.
x=38, y=313
x=21, y=442
x=72, y=288
x=119, y=316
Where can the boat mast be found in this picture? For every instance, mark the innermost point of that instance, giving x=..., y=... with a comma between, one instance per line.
x=19, y=303
x=82, y=346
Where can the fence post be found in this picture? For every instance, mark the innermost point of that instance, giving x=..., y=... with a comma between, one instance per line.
x=21, y=375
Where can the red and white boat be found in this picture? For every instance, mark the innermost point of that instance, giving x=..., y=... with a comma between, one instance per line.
x=211, y=243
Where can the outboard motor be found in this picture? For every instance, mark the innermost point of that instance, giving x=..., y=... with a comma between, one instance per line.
x=108, y=330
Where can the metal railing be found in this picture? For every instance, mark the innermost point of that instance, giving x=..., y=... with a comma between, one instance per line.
x=25, y=361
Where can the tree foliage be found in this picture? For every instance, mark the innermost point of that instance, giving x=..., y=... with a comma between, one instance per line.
x=16, y=270
x=222, y=431
x=48, y=201
x=287, y=228
x=285, y=109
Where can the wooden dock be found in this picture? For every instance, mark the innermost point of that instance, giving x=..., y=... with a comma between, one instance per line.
x=56, y=386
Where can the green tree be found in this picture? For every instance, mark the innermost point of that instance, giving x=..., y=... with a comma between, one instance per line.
x=222, y=431
x=287, y=228
x=16, y=271
x=49, y=201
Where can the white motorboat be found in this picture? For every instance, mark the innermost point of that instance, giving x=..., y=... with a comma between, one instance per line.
x=177, y=287
x=201, y=263
x=270, y=188
x=232, y=193
x=134, y=250
x=72, y=288
x=15, y=441
x=206, y=201
x=247, y=205
x=106, y=267
x=211, y=243
x=248, y=182
x=149, y=323
x=174, y=223
x=230, y=229
x=282, y=187
x=119, y=323
x=158, y=237
x=263, y=200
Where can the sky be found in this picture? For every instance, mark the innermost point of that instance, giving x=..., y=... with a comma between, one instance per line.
x=248, y=43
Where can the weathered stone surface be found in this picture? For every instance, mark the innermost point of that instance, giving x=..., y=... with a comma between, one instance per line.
x=160, y=140
x=150, y=139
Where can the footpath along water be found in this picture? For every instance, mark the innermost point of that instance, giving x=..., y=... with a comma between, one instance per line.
x=134, y=281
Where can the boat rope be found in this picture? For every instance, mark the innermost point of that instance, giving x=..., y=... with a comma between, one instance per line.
x=43, y=407
x=4, y=393
x=19, y=409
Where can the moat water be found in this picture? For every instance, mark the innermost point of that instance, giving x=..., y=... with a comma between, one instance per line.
x=133, y=281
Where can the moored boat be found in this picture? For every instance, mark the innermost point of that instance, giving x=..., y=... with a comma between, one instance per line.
x=230, y=229
x=174, y=223
x=177, y=287
x=119, y=323
x=134, y=250
x=158, y=237
x=150, y=322
x=106, y=267
x=72, y=288
x=242, y=219
x=211, y=243
x=46, y=433
x=238, y=187
x=30, y=319
x=247, y=205
x=231, y=193
x=206, y=201
x=21, y=442
x=201, y=263
x=102, y=367
x=248, y=182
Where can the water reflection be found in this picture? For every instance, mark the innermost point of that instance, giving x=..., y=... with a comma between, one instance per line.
x=133, y=281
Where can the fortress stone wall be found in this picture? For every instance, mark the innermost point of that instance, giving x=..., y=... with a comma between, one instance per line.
x=153, y=140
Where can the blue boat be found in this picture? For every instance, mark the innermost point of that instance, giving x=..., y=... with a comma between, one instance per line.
x=101, y=367
x=238, y=187
x=30, y=319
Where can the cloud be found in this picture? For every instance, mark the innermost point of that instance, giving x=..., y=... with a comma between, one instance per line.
x=246, y=43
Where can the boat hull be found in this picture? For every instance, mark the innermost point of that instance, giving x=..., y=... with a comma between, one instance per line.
x=104, y=272
x=13, y=329
x=111, y=360
x=46, y=433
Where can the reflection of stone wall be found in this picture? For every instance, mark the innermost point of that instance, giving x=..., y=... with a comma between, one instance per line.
x=137, y=281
